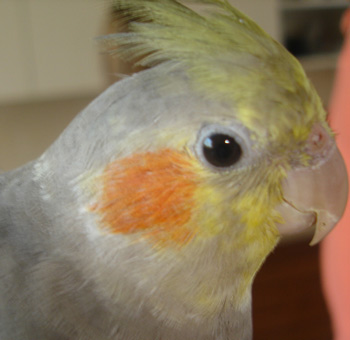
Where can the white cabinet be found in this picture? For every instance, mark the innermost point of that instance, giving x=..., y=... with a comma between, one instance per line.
x=310, y=30
x=312, y=4
x=48, y=48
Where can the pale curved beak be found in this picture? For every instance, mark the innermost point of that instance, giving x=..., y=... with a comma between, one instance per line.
x=315, y=195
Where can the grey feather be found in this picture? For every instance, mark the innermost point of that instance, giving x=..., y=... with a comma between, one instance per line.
x=60, y=278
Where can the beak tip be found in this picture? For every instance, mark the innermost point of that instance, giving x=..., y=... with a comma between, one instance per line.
x=315, y=240
x=324, y=224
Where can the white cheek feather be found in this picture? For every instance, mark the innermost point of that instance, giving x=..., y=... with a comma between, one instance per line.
x=41, y=173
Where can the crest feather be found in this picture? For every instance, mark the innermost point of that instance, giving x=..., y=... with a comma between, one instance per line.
x=167, y=30
x=226, y=56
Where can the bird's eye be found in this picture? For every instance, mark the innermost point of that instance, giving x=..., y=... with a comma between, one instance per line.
x=224, y=147
x=221, y=150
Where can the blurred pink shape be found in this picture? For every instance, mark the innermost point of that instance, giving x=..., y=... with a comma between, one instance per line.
x=335, y=249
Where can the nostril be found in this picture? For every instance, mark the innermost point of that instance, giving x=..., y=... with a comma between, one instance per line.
x=318, y=140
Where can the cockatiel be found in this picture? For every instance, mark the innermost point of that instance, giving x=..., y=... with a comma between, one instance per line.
x=150, y=215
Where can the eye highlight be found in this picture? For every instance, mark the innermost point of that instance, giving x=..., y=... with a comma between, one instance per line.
x=221, y=150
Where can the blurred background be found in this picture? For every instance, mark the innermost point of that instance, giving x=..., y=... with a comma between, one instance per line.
x=51, y=67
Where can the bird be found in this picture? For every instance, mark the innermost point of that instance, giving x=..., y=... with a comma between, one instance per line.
x=150, y=215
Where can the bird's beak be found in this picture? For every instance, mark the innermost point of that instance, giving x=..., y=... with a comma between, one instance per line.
x=315, y=195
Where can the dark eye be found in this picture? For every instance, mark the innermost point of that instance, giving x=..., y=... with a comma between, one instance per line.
x=221, y=150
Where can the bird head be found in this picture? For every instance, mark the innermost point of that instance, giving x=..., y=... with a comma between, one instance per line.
x=195, y=167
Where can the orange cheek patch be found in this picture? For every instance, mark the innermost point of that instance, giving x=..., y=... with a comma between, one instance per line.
x=150, y=193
